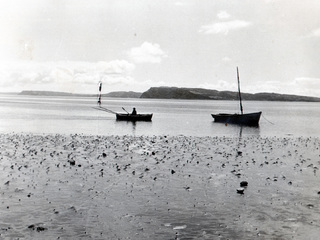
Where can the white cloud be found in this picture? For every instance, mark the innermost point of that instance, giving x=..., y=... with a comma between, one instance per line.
x=128, y=83
x=74, y=77
x=224, y=27
x=221, y=85
x=226, y=59
x=62, y=76
x=181, y=4
x=312, y=82
x=307, y=86
x=299, y=86
x=147, y=53
x=115, y=67
x=223, y=15
x=314, y=33
x=264, y=86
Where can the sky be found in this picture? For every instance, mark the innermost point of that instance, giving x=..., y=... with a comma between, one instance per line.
x=132, y=45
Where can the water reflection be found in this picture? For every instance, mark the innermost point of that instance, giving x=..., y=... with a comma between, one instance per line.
x=235, y=130
x=129, y=127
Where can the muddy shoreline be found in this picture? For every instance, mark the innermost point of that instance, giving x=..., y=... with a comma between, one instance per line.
x=158, y=187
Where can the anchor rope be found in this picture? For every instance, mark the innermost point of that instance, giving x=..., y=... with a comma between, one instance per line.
x=267, y=119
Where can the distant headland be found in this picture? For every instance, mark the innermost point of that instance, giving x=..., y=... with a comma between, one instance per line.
x=186, y=93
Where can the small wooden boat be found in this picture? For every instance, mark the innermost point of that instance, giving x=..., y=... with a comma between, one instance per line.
x=247, y=119
x=133, y=118
x=127, y=116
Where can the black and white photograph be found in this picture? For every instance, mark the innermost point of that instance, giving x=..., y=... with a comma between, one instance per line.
x=159, y=119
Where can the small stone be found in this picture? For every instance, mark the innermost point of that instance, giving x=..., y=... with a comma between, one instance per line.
x=31, y=226
x=244, y=184
x=240, y=190
x=310, y=206
x=40, y=229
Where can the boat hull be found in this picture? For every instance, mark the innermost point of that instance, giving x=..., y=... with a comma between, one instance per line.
x=248, y=119
x=134, y=118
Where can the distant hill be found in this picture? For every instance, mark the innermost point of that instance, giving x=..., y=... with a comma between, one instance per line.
x=51, y=93
x=186, y=93
x=122, y=94
x=200, y=93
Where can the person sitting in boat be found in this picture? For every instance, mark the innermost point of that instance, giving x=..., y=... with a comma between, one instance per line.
x=134, y=111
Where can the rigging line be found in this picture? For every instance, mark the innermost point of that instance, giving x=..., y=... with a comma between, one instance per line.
x=99, y=94
x=267, y=119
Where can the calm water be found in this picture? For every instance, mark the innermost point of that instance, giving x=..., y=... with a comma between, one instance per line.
x=37, y=114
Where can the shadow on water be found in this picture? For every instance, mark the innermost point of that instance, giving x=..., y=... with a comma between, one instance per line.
x=235, y=130
x=134, y=127
x=127, y=126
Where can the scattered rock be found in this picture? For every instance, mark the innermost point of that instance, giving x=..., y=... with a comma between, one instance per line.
x=244, y=184
x=240, y=190
x=37, y=227
x=310, y=206
x=40, y=229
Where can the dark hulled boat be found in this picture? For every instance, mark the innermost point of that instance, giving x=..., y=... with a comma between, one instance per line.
x=247, y=119
x=127, y=116
x=133, y=118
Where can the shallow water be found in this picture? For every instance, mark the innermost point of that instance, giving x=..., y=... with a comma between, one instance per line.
x=36, y=114
x=153, y=182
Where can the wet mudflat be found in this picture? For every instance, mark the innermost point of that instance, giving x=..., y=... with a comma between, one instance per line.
x=158, y=187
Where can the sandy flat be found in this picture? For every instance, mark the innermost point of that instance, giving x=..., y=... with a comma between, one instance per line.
x=161, y=187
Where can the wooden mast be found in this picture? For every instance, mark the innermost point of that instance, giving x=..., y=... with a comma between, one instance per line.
x=241, y=108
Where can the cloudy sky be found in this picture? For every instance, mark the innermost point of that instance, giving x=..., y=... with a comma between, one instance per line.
x=71, y=45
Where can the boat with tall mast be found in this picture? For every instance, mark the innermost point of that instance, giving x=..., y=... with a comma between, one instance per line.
x=247, y=119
